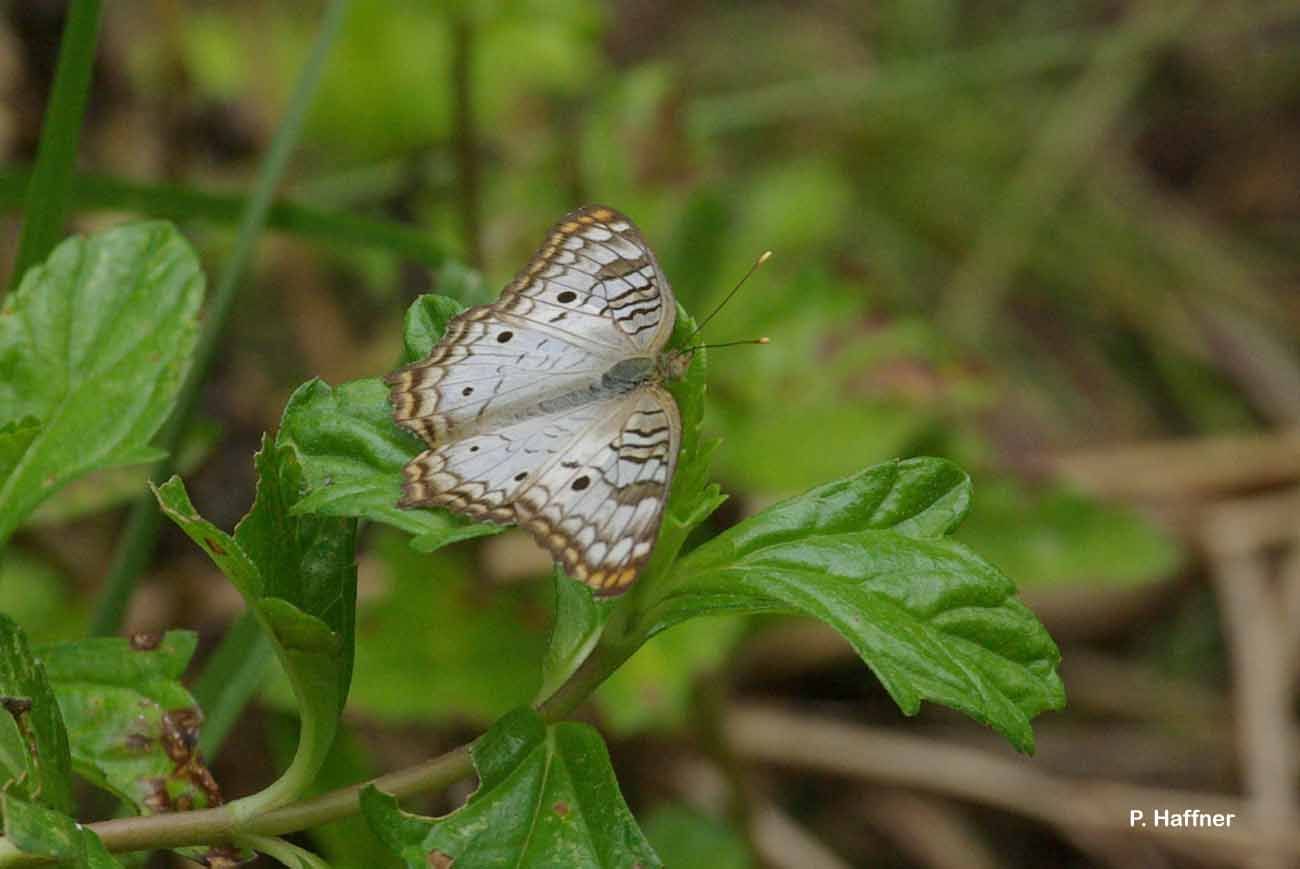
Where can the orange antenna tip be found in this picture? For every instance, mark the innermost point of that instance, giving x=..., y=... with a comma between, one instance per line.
x=764, y=257
x=765, y=340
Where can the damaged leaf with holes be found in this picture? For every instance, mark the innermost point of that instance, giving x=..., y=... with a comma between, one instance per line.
x=133, y=727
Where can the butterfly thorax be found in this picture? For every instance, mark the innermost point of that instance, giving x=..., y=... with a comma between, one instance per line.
x=672, y=364
x=627, y=374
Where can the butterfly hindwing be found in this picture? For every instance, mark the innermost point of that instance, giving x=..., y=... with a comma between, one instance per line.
x=598, y=507
x=481, y=475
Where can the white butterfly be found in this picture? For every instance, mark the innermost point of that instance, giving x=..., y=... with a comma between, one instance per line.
x=547, y=409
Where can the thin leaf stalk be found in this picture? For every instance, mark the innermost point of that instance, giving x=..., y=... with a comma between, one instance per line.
x=314, y=737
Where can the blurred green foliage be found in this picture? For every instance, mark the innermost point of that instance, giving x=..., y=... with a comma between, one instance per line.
x=1064, y=537
x=686, y=839
x=40, y=597
x=440, y=645
x=1001, y=230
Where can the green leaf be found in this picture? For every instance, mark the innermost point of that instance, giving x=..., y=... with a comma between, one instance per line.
x=131, y=724
x=352, y=455
x=425, y=322
x=307, y=563
x=547, y=796
x=93, y=348
x=352, y=452
x=687, y=839
x=579, y=620
x=692, y=498
x=34, y=829
x=868, y=556
x=297, y=573
x=1059, y=536
x=107, y=488
x=35, y=762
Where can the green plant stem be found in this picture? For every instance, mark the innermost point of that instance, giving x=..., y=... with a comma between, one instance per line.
x=177, y=202
x=283, y=852
x=47, y=193
x=314, y=736
x=213, y=826
x=141, y=534
x=603, y=661
x=432, y=775
x=223, y=824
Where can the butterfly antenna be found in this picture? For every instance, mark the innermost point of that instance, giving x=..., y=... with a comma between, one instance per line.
x=764, y=257
x=763, y=340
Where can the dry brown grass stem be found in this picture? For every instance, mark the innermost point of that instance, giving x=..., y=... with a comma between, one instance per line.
x=1077, y=806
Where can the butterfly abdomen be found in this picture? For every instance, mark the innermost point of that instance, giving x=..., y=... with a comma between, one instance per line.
x=620, y=379
x=628, y=374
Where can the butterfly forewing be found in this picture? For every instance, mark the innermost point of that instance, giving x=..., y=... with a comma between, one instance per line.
x=486, y=372
x=523, y=424
x=595, y=269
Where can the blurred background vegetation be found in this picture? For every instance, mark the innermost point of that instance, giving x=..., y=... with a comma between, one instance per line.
x=1055, y=241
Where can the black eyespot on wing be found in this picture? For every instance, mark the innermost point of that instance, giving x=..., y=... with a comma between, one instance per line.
x=505, y=336
x=474, y=448
x=581, y=483
x=468, y=390
x=567, y=296
x=519, y=477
